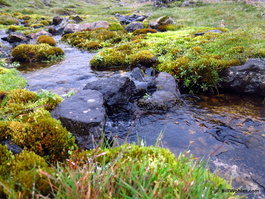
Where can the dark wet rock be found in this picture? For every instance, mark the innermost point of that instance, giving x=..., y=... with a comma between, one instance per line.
x=71, y=28
x=37, y=34
x=159, y=100
x=11, y=146
x=57, y=20
x=124, y=20
x=77, y=19
x=187, y=4
x=134, y=26
x=144, y=82
x=59, y=26
x=83, y=115
x=117, y=93
x=166, y=82
x=165, y=96
x=202, y=33
x=16, y=37
x=247, y=78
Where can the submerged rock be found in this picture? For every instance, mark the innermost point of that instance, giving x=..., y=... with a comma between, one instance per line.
x=83, y=115
x=248, y=78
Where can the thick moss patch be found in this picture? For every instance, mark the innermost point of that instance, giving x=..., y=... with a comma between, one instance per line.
x=36, y=52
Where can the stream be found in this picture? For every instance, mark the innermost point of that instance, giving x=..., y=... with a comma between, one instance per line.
x=228, y=128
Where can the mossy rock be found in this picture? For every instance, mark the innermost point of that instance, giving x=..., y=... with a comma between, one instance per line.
x=45, y=39
x=35, y=52
x=8, y=20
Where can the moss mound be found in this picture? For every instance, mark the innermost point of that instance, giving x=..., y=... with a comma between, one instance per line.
x=26, y=122
x=45, y=39
x=8, y=20
x=102, y=36
x=36, y=52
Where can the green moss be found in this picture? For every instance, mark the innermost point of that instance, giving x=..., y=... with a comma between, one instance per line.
x=8, y=20
x=5, y=160
x=144, y=31
x=169, y=27
x=11, y=79
x=15, y=28
x=46, y=40
x=114, y=26
x=25, y=171
x=103, y=36
x=45, y=22
x=108, y=58
x=4, y=3
x=35, y=52
x=24, y=120
x=143, y=58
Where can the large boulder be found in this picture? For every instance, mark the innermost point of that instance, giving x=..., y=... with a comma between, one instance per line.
x=248, y=78
x=117, y=93
x=83, y=115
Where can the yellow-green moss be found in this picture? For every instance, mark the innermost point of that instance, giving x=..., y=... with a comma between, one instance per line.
x=109, y=58
x=16, y=28
x=143, y=58
x=114, y=26
x=8, y=20
x=35, y=52
x=5, y=159
x=46, y=40
x=26, y=172
x=144, y=31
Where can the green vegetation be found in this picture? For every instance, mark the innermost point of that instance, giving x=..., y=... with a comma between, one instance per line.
x=36, y=52
x=10, y=79
x=45, y=39
x=50, y=163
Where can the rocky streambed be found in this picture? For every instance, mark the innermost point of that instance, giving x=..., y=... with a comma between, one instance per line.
x=228, y=128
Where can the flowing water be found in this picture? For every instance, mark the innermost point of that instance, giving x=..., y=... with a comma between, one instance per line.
x=229, y=128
